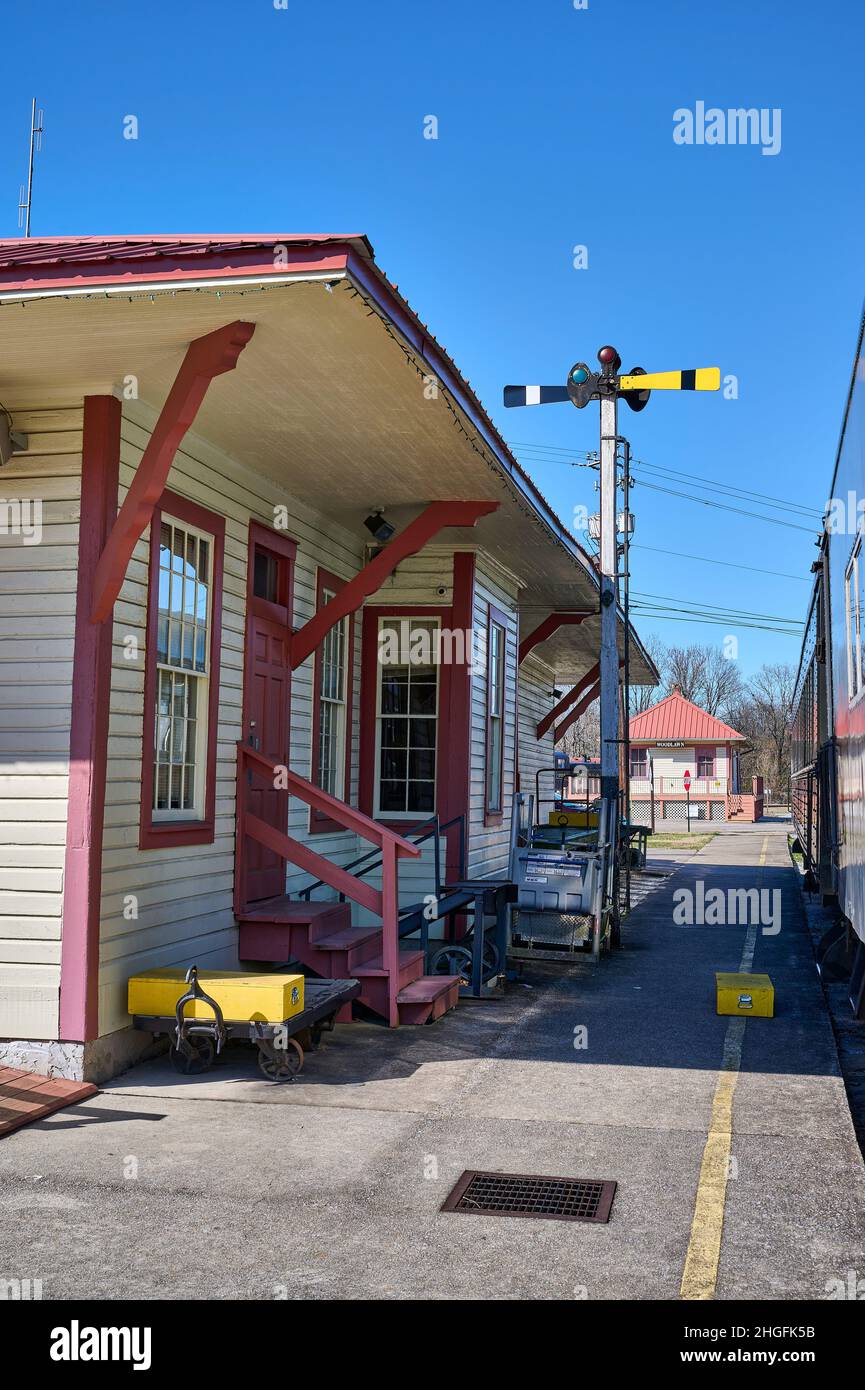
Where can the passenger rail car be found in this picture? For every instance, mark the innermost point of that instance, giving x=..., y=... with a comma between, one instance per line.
x=828, y=731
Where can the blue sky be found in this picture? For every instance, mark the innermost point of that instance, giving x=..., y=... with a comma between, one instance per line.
x=555, y=129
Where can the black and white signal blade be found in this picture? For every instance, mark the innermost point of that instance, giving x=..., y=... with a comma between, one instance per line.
x=534, y=395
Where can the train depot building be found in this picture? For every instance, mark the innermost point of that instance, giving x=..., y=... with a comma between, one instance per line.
x=289, y=641
x=685, y=763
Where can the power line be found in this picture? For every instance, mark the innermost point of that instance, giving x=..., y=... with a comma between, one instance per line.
x=713, y=484
x=723, y=507
x=716, y=622
x=701, y=606
x=728, y=564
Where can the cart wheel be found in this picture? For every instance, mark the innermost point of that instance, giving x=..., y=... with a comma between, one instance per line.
x=457, y=960
x=193, y=1066
x=282, y=1065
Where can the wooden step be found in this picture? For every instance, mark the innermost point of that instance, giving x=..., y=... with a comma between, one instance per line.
x=353, y=945
x=273, y=930
x=410, y=967
x=427, y=998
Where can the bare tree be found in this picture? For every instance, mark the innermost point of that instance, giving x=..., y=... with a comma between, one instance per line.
x=583, y=738
x=644, y=696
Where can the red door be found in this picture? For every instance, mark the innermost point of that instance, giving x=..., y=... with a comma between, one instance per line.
x=267, y=698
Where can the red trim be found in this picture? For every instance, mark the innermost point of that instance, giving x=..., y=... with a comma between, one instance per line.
x=578, y=709
x=282, y=612
x=369, y=580
x=446, y=784
x=460, y=713
x=567, y=700
x=495, y=815
x=550, y=625
x=88, y=740
x=157, y=834
x=319, y=821
x=205, y=358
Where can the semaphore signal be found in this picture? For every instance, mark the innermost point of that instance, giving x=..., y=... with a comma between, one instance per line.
x=609, y=386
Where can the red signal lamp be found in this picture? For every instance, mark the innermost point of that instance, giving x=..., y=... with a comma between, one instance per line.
x=608, y=357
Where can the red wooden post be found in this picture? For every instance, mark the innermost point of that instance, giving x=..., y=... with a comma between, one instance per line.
x=206, y=357
x=390, y=927
x=88, y=745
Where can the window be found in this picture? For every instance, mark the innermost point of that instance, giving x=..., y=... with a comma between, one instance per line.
x=181, y=680
x=705, y=764
x=639, y=762
x=496, y=648
x=331, y=733
x=852, y=580
x=407, y=716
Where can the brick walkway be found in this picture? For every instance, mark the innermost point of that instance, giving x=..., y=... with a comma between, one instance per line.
x=25, y=1096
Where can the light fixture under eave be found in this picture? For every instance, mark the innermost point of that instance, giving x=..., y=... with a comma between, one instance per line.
x=378, y=527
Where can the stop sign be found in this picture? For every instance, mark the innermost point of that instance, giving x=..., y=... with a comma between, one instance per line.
x=687, y=780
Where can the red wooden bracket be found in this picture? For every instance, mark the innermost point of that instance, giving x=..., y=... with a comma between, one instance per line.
x=578, y=709
x=432, y=519
x=567, y=700
x=205, y=358
x=551, y=624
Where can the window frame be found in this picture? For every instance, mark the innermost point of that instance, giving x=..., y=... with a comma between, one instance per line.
x=494, y=815
x=713, y=759
x=405, y=818
x=644, y=755
x=319, y=822
x=157, y=832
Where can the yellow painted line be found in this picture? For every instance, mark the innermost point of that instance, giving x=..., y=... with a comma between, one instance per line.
x=700, y=1275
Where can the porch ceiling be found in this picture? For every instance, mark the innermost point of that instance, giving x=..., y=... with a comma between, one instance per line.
x=329, y=402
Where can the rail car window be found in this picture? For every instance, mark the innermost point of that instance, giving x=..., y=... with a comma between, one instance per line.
x=854, y=605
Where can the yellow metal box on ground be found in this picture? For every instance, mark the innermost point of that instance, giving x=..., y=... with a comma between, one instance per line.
x=242, y=997
x=745, y=994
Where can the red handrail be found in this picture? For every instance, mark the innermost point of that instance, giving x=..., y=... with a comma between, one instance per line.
x=384, y=902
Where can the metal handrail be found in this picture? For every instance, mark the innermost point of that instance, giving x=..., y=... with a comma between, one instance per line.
x=372, y=858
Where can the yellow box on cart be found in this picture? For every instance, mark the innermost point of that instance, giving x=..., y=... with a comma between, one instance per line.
x=243, y=998
x=585, y=819
x=745, y=994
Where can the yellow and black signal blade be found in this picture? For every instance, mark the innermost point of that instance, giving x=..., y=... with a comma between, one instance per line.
x=695, y=379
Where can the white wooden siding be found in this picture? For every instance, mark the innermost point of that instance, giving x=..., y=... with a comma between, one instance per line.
x=37, y=634
x=184, y=894
x=418, y=579
x=535, y=700
x=488, y=845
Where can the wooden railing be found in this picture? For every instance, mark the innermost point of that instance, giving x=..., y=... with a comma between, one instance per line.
x=383, y=902
x=669, y=786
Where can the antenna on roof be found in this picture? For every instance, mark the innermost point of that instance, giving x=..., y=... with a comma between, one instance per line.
x=36, y=120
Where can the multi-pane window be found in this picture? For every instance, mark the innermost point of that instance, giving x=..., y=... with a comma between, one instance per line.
x=639, y=762
x=182, y=660
x=332, y=669
x=705, y=764
x=407, y=716
x=495, y=715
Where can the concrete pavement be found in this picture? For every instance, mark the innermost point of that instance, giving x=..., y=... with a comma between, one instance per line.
x=228, y=1186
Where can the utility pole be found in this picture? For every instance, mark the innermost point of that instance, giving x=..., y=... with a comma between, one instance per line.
x=608, y=829
x=605, y=386
x=35, y=147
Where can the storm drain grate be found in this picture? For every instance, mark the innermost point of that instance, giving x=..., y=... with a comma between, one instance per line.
x=529, y=1194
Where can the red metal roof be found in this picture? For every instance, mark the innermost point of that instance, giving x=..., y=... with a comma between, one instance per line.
x=27, y=263
x=676, y=718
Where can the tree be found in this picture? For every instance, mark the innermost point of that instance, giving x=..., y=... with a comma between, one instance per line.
x=762, y=714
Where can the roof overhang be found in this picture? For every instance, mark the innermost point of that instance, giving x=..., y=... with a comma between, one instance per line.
x=342, y=397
